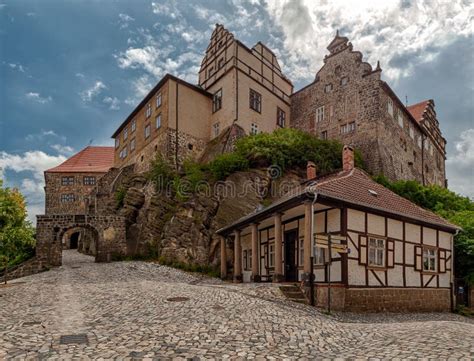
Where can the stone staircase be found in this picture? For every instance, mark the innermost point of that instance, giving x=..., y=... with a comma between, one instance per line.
x=294, y=293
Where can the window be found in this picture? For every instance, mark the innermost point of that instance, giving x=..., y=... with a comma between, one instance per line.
x=320, y=114
x=319, y=255
x=215, y=128
x=134, y=125
x=328, y=88
x=249, y=257
x=132, y=145
x=88, y=180
x=148, y=110
x=400, y=118
x=281, y=118
x=158, y=121
x=429, y=259
x=67, y=181
x=390, y=107
x=271, y=255
x=348, y=128
x=344, y=81
x=158, y=100
x=210, y=71
x=376, y=252
x=123, y=153
x=244, y=259
x=220, y=64
x=217, y=101
x=412, y=132
x=301, y=252
x=324, y=135
x=254, y=129
x=255, y=101
x=147, y=131
x=66, y=198
x=419, y=142
x=125, y=134
x=117, y=143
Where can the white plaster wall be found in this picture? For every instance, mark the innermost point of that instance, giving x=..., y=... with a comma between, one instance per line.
x=395, y=276
x=319, y=274
x=336, y=271
x=353, y=251
x=445, y=240
x=334, y=220
x=444, y=279
x=376, y=224
x=356, y=220
x=412, y=232
x=429, y=236
x=319, y=222
x=395, y=229
x=356, y=273
x=398, y=251
x=373, y=281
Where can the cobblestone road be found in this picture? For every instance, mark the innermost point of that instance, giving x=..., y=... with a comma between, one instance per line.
x=137, y=310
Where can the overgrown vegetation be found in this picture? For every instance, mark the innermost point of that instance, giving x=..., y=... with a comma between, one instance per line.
x=120, y=196
x=455, y=208
x=285, y=148
x=204, y=269
x=16, y=233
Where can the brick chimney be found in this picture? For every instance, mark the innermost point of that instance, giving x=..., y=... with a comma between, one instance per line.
x=310, y=170
x=347, y=158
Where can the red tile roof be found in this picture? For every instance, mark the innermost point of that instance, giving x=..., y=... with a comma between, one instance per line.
x=90, y=159
x=417, y=110
x=357, y=187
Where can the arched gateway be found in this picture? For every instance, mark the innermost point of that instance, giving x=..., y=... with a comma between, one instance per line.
x=108, y=231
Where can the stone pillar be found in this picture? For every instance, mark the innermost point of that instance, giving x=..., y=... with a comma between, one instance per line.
x=278, y=275
x=307, y=238
x=223, y=258
x=255, y=258
x=237, y=258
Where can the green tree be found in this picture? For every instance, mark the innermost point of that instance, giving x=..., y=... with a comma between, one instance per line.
x=16, y=233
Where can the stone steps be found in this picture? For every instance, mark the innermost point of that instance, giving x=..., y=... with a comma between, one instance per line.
x=293, y=293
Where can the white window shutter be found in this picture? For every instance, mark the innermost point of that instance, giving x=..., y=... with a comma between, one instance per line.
x=390, y=253
x=363, y=250
x=418, y=258
x=442, y=261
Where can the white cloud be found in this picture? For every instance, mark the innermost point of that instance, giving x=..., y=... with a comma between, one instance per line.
x=80, y=75
x=140, y=88
x=460, y=166
x=125, y=19
x=31, y=166
x=2, y=6
x=145, y=58
x=168, y=9
x=399, y=34
x=18, y=67
x=38, y=98
x=113, y=103
x=43, y=134
x=88, y=94
x=63, y=149
x=31, y=14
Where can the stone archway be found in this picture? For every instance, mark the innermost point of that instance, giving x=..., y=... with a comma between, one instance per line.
x=84, y=238
x=108, y=233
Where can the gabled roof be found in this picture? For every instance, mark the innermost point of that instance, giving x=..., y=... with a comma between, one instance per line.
x=355, y=189
x=90, y=159
x=417, y=110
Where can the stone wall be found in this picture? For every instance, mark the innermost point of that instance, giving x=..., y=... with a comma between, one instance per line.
x=29, y=267
x=348, y=91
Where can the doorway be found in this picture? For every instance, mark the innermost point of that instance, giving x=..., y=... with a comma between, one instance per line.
x=74, y=241
x=291, y=269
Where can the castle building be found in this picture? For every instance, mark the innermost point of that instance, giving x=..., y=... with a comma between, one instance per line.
x=68, y=185
x=349, y=102
x=237, y=86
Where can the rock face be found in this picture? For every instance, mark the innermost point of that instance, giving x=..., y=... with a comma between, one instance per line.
x=160, y=224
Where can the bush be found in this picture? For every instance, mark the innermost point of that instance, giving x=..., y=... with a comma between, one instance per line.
x=161, y=173
x=226, y=164
x=208, y=270
x=120, y=196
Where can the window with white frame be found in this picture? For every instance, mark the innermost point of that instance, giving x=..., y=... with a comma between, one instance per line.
x=67, y=198
x=134, y=125
x=429, y=259
x=148, y=110
x=147, y=131
x=255, y=100
x=89, y=180
x=125, y=134
x=319, y=256
x=390, y=107
x=281, y=117
x=254, y=129
x=344, y=81
x=158, y=100
x=400, y=118
x=215, y=129
x=124, y=153
x=320, y=114
x=271, y=255
x=376, y=252
x=217, y=101
x=419, y=141
x=348, y=128
x=301, y=252
x=324, y=135
x=328, y=88
x=412, y=132
x=158, y=121
x=117, y=143
x=132, y=145
x=67, y=181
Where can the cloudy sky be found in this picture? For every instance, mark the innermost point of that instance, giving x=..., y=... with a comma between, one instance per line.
x=70, y=72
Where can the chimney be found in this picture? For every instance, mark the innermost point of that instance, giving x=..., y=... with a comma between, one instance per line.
x=310, y=170
x=347, y=158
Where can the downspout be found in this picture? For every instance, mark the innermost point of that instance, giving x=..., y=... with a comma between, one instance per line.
x=176, y=131
x=451, y=294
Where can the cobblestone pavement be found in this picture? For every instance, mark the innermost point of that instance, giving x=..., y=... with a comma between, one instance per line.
x=137, y=310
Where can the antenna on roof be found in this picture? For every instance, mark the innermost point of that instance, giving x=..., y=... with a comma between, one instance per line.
x=90, y=142
x=406, y=100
